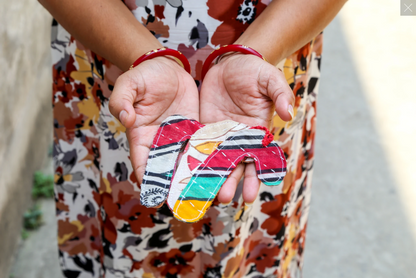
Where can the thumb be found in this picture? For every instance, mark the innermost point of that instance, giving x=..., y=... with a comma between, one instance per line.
x=281, y=94
x=123, y=97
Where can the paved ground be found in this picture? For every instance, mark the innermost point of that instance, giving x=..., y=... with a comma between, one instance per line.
x=38, y=255
x=362, y=221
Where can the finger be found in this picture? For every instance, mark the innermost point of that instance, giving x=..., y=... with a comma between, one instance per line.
x=251, y=184
x=140, y=143
x=227, y=191
x=281, y=94
x=123, y=97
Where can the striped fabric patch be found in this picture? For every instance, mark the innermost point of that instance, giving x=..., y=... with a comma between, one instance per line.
x=211, y=153
x=172, y=134
x=245, y=145
x=200, y=146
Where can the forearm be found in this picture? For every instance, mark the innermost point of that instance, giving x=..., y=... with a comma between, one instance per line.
x=107, y=27
x=287, y=25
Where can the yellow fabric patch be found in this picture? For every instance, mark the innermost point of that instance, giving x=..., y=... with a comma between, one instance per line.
x=208, y=147
x=190, y=210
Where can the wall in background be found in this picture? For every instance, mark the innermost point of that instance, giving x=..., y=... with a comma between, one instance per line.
x=25, y=113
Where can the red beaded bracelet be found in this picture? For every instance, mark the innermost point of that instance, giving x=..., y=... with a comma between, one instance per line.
x=224, y=49
x=177, y=55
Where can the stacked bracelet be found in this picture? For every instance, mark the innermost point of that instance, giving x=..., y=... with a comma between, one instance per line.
x=224, y=49
x=177, y=55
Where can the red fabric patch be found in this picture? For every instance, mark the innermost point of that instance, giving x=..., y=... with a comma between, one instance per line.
x=268, y=137
x=193, y=163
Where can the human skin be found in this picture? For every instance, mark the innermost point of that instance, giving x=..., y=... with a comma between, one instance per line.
x=239, y=84
x=141, y=102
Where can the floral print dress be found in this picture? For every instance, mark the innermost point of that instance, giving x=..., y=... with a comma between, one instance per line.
x=104, y=231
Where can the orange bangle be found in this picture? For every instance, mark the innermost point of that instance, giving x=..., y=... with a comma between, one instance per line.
x=177, y=55
x=224, y=49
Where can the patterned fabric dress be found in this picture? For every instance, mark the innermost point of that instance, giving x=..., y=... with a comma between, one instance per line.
x=103, y=229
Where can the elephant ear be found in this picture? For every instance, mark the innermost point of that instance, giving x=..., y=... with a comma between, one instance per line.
x=170, y=138
x=246, y=145
x=202, y=143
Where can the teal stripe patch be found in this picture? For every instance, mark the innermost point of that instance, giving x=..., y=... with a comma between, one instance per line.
x=202, y=188
x=272, y=183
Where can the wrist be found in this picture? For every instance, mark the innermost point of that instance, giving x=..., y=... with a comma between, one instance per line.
x=166, y=53
x=229, y=55
x=226, y=49
x=137, y=52
x=169, y=61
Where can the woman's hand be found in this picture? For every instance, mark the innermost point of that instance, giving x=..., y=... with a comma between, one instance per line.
x=145, y=96
x=245, y=89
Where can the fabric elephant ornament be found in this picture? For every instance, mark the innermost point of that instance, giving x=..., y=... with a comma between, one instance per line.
x=190, y=180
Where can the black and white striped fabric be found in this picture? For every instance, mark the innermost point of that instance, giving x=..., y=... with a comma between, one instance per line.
x=173, y=133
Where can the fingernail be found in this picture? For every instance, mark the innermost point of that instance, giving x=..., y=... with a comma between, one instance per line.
x=248, y=204
x=290, y=110
x=226, y=204
x=123, y=116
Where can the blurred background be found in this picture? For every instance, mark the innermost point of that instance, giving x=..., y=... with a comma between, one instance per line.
x=363, y=215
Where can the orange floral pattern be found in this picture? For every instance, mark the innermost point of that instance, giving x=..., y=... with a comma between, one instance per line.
x=103, y=231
